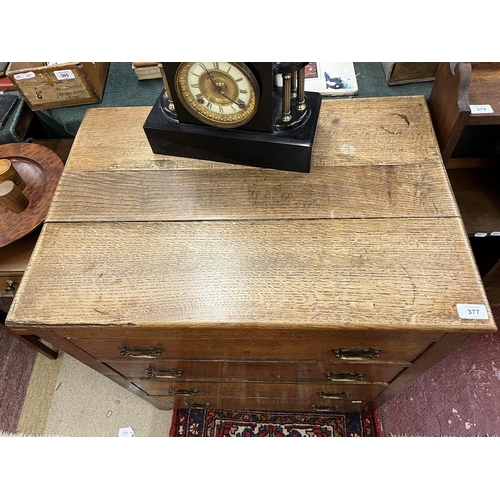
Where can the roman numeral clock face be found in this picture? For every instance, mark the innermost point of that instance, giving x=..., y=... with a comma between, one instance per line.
x=221, y=94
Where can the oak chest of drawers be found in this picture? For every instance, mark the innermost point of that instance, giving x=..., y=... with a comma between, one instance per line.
x=207, y=284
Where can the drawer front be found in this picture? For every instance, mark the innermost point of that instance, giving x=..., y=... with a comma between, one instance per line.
x=322, y=391
x=256, y=404
x=351, y=346
x=256, y=396
x=276, y=371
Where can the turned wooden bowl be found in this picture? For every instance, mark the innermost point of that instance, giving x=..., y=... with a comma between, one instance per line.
x=40, y=168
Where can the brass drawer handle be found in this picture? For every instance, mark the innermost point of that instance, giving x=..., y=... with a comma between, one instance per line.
x=11, y=286
x=344, y=376
x=197, y=406
x=183, y=392
x=356, y=354
x=141, y=352
x=325, y=408
x=333, y=395
x=173, y=373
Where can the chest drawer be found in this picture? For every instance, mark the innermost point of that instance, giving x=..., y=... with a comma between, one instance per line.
x=262, y=404
x=330, y=397
x=319, y=346
x=337, y=392
x=275, y=371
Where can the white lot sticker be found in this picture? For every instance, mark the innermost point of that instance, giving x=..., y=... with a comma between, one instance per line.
x=495, y=233
x=126, y=432
x=472, y=311
x=65, y=74
x=478, y=109
x=24, y=76
x=481, y=235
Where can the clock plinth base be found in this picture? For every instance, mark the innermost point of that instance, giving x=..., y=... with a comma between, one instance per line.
x=284, y=150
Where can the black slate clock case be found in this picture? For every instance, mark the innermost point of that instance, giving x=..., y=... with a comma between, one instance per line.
x=262, y=142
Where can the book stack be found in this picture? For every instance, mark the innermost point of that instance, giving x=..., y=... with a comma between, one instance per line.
x=146, y=70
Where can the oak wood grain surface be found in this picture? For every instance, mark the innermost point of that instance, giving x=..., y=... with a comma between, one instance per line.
x=373, y=273
x=106, y=179
x=210, y=194
x=373, y=131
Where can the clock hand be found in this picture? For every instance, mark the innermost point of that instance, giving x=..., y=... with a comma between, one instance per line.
x=218, y=89
x=239, y=104
x=212, y=79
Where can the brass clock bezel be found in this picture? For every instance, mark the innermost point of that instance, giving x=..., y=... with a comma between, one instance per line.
x=211, y=116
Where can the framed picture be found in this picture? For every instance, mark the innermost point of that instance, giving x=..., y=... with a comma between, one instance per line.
x=331, y=78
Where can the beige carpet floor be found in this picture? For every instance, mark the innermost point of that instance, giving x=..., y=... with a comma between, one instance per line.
x=67, y=398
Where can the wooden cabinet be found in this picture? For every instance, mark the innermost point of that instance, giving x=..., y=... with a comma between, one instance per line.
x=208, y=284
x=14, y=259
x=465, y=109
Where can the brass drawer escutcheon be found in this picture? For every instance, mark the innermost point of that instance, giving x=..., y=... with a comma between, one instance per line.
x=356, y=354
x=344, y=376
x=167, y=374
x=141, y=352
x=333, y=395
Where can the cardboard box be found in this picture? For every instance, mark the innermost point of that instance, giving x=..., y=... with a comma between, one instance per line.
x=56, y=85
x=399, y=73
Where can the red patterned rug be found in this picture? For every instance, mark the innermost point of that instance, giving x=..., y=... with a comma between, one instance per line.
x=237, y=423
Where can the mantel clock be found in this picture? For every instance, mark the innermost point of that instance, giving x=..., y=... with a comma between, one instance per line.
x=236, y=112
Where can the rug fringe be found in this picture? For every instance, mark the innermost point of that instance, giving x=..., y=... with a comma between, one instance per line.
x=20, y=434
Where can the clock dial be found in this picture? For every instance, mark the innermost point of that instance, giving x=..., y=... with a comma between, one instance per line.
x=221, y=94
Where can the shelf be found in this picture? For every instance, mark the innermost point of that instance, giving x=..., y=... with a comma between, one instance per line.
x=477, y=191
x=456, y=88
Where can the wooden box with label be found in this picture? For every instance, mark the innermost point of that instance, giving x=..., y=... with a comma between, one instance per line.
x=194, y=283
x=56, y=85
x=399, y=73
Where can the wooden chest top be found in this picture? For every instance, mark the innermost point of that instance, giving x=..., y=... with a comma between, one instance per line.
x=370, y=239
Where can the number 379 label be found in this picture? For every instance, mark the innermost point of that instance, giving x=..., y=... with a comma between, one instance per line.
x=472, y=311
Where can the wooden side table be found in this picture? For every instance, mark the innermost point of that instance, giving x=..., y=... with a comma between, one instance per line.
x=207, y=284
x=14, y=259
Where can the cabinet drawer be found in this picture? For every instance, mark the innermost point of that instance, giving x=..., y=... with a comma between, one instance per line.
x=299, y=397
x=195, y=390
x=388, y=347
x=276, y=371
x=269, y=404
